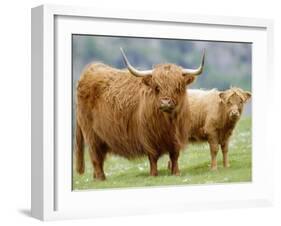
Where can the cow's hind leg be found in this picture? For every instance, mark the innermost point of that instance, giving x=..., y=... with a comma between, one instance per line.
x=153, y=164
x=97, y=150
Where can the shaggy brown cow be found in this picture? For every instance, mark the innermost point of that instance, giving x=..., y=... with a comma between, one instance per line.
x=214, y=115
x=132, y=113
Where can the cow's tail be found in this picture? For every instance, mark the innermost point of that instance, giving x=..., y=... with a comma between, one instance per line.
x=79, y=150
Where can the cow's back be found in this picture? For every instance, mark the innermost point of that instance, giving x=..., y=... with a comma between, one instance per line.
x=107, y=102
x=204, y=107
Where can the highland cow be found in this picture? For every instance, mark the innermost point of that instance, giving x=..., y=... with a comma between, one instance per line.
x=132, y=113
x=214, y=115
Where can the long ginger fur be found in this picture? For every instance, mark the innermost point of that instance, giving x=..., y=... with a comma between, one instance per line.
x=119, y=113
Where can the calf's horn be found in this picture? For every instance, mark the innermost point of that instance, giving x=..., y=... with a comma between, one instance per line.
x=133, y=70
x=197, y=71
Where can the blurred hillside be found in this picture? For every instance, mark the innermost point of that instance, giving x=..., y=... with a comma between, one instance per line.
x=227, y=64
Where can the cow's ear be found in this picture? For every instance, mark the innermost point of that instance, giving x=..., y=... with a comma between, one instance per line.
x=189, y=79
x=247, y=95
x=147, y=80
x=222, y=96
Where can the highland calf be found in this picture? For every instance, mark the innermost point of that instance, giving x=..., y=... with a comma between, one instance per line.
x=132, y=113
x=214, y=115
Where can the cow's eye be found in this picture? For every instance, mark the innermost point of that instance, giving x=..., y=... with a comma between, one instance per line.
x=157, y=89
x=178, y=90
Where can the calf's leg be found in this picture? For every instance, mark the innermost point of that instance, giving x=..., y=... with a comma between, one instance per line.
x=224, y=148
x=214, y=147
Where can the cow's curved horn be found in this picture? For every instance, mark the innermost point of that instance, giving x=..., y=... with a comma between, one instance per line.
x=197, y=71
x=133, y=70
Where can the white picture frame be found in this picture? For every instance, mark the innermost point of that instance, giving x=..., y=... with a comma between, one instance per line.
x=52, y=197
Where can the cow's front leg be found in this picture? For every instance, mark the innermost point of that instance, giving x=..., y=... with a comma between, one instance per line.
x=214, y=147
x=174, y=163
x=224, y=148
x=153, y=164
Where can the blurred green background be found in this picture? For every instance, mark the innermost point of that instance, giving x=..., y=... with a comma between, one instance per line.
x=226, y=64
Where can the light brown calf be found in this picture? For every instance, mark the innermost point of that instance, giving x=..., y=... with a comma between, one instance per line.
x=214, y=115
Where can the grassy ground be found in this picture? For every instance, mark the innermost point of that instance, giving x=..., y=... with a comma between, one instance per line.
x=194, y=164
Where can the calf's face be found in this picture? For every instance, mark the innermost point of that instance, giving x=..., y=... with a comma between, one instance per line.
x=233, y=101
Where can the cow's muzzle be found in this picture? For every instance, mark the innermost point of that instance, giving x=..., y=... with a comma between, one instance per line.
x=234, y=114
x=167, y=105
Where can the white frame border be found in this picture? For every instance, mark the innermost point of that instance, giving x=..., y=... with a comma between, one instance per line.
x=43, y=86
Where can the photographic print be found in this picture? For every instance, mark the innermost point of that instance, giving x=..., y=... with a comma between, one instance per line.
x=158, y=112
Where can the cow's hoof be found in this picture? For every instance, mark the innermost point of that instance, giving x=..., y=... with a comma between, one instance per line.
x=214, y=168
x=154, y=174
x=176, y=174
x=99, y=177
x=81, y=170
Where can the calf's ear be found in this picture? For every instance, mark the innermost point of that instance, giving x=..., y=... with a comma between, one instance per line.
x=222, y=96
x=247, y=95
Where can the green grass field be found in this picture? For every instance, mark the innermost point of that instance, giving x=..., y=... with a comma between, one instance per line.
x=194, y=165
